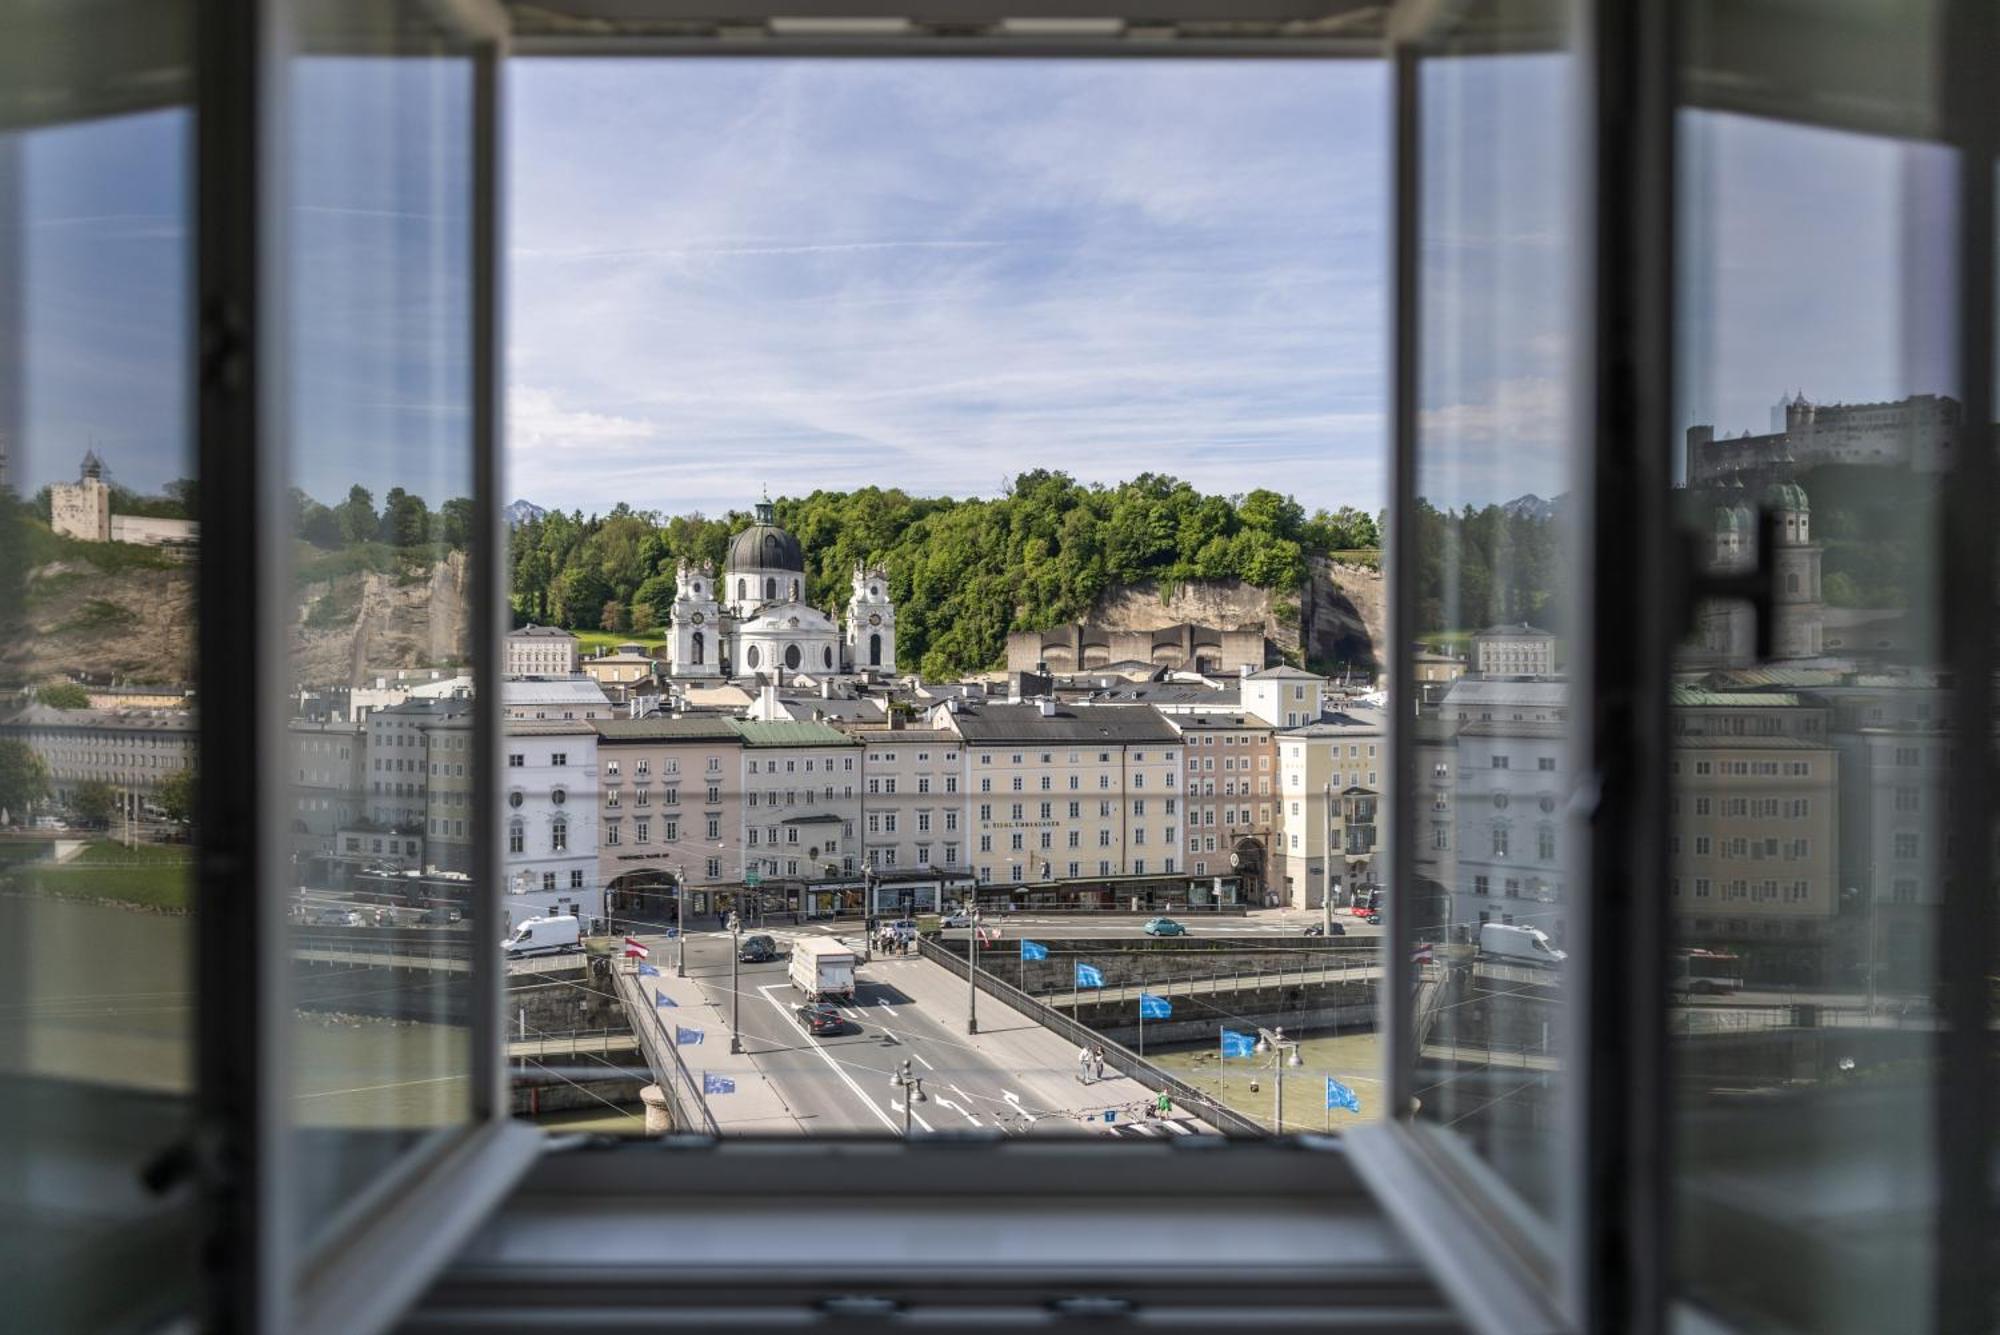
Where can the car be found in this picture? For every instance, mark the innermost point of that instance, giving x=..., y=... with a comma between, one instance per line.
x=757, y=950
x=1164, y=927
x=337, y=918
x=441, y=915
x=1365, y=912
x=816, y=1018
x=1326, y=929
x=958, y=918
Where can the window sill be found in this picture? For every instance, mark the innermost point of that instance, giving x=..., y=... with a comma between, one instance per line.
x=991, y=1234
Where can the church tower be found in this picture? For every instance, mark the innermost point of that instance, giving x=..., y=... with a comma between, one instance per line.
x=871, y=623
x=696, y=646
x=1798, y=615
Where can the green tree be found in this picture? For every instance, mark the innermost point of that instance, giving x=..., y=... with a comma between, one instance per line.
x=405, y=519
x=24, y=778
x=455, y=524
x=64, y=695
x=176, y=795
x=93, y=802
x=612, y=617
x=358, y=520
x=642, y=618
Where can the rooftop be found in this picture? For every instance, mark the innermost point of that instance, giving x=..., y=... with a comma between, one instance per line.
x=1094, y=723
x=690, y=728
x=532, y=632
x=790, y=734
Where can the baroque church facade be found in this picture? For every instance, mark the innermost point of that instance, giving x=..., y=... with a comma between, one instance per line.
x=755, y=621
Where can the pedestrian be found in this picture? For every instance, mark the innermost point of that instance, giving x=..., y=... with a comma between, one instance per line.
x=1083, y=1064
x=1097, y=1060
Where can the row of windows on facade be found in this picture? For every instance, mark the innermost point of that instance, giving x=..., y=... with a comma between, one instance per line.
x=1017, y=873
x=1756, y=892
x=1046, y=839
x=643, y=766
x=1757, y=850
x=1797, y=769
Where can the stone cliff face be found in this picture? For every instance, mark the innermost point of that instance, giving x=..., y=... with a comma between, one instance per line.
x=138, y=624
x=359, y=625
x=1338, y=618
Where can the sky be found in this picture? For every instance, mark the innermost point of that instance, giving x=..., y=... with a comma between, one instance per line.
x=732, y=275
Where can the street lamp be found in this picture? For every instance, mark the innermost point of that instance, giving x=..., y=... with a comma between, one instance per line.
x=680, y=924
x=735, y=989
x=912, y=1086
x=1287, y=1054
x=972, y=968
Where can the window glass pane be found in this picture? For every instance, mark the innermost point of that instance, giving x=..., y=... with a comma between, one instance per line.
x=1492, y=878
x=379, y=755
x=1810, y=783
x=97, y=656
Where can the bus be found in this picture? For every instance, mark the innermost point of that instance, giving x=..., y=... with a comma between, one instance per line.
x=1706, y=972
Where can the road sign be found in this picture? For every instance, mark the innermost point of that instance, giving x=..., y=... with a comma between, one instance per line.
x=753, y=878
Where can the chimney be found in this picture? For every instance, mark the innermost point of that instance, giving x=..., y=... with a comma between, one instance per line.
x=826, y=688
x=1243, y=672
x=1047, y=706
x=767, y=701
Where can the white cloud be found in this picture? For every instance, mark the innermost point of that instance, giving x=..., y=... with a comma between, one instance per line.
x=933, y=277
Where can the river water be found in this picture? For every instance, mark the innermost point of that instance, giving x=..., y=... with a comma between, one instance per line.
x=103, y=994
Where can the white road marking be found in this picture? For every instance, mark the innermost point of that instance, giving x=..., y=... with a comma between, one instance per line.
x=927, y=1066
x=944, y=1102
x=916, y=1117
x=833, y=1065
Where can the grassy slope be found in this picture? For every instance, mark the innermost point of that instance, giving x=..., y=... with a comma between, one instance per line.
x=150, y=876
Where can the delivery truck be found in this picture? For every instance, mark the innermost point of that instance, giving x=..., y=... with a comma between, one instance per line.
x=823, y=969
x=1525, y=945
x=544, y=936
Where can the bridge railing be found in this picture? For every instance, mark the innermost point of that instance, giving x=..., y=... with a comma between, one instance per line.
x=683, y=1091
x=1116, y=1055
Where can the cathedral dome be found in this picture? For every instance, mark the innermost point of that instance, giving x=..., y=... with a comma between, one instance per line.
x=1786, y=496
x=765, y=546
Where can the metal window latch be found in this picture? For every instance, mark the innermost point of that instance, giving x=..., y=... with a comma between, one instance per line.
x=1755, y=583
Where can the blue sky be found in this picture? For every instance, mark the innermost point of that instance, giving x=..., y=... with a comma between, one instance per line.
x=734, y=274
x=727, y=275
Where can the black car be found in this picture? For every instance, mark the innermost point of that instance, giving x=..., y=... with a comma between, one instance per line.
x=757, y=950
x=816, y=1018
x=1326, y=929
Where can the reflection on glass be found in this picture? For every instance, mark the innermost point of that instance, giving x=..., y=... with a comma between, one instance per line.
x=379, y=750
x=1494, y=608
x=1809, y=781
x=97, y=734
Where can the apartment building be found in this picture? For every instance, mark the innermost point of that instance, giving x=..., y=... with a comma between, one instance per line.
x=801, y=810
x=670, y=809
x=1061, y=792
x=1329, y=769
x=541, y=651
x=1513, y=787
x=130, y=750
x=328, y=768
x=1755, y=832
x=1518, y=650
x=1229, y=782
x=550, y=867
x=419, y=788
x=1284, y=697
x=913, y=807
x=564, y=700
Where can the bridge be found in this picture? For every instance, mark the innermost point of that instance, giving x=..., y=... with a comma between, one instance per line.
x=1223, y=981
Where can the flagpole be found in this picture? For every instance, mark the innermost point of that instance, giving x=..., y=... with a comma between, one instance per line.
x=1142, y=1024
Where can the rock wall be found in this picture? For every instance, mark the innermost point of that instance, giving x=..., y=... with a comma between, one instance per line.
x=1344, y=617
x=396, y=621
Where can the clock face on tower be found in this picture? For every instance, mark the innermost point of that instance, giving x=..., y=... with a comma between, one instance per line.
x=874, y=618
x=699, y=618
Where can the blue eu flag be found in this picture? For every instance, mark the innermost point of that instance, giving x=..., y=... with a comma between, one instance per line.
x=1033, y=950
x=716, y=1084
x=662, y=999
x=1088, y=976
x=1238, y=1045
x=1340, y=1096
x=685, y=1036
x=647, y=971
x=1154, y=1008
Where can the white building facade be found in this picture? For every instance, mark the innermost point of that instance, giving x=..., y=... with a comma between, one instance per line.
x=551, y=823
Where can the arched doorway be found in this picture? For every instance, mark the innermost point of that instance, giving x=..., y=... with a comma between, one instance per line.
x=875, y=650
x=697, y=646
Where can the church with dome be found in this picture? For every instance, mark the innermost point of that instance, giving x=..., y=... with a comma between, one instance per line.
x=755, y=621
x=1728, y=629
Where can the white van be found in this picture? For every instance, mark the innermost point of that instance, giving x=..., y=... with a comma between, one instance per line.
x=544, y=936
x=1509, y=941
x=822, y=969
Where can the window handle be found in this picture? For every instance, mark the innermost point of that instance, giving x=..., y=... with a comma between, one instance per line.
x=1755, y=583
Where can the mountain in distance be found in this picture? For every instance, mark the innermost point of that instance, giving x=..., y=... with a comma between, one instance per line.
x=1531, y=506
x=522, y=512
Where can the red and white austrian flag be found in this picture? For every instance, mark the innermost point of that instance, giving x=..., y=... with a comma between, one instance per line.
x=635, y=949
x=1422, y=953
